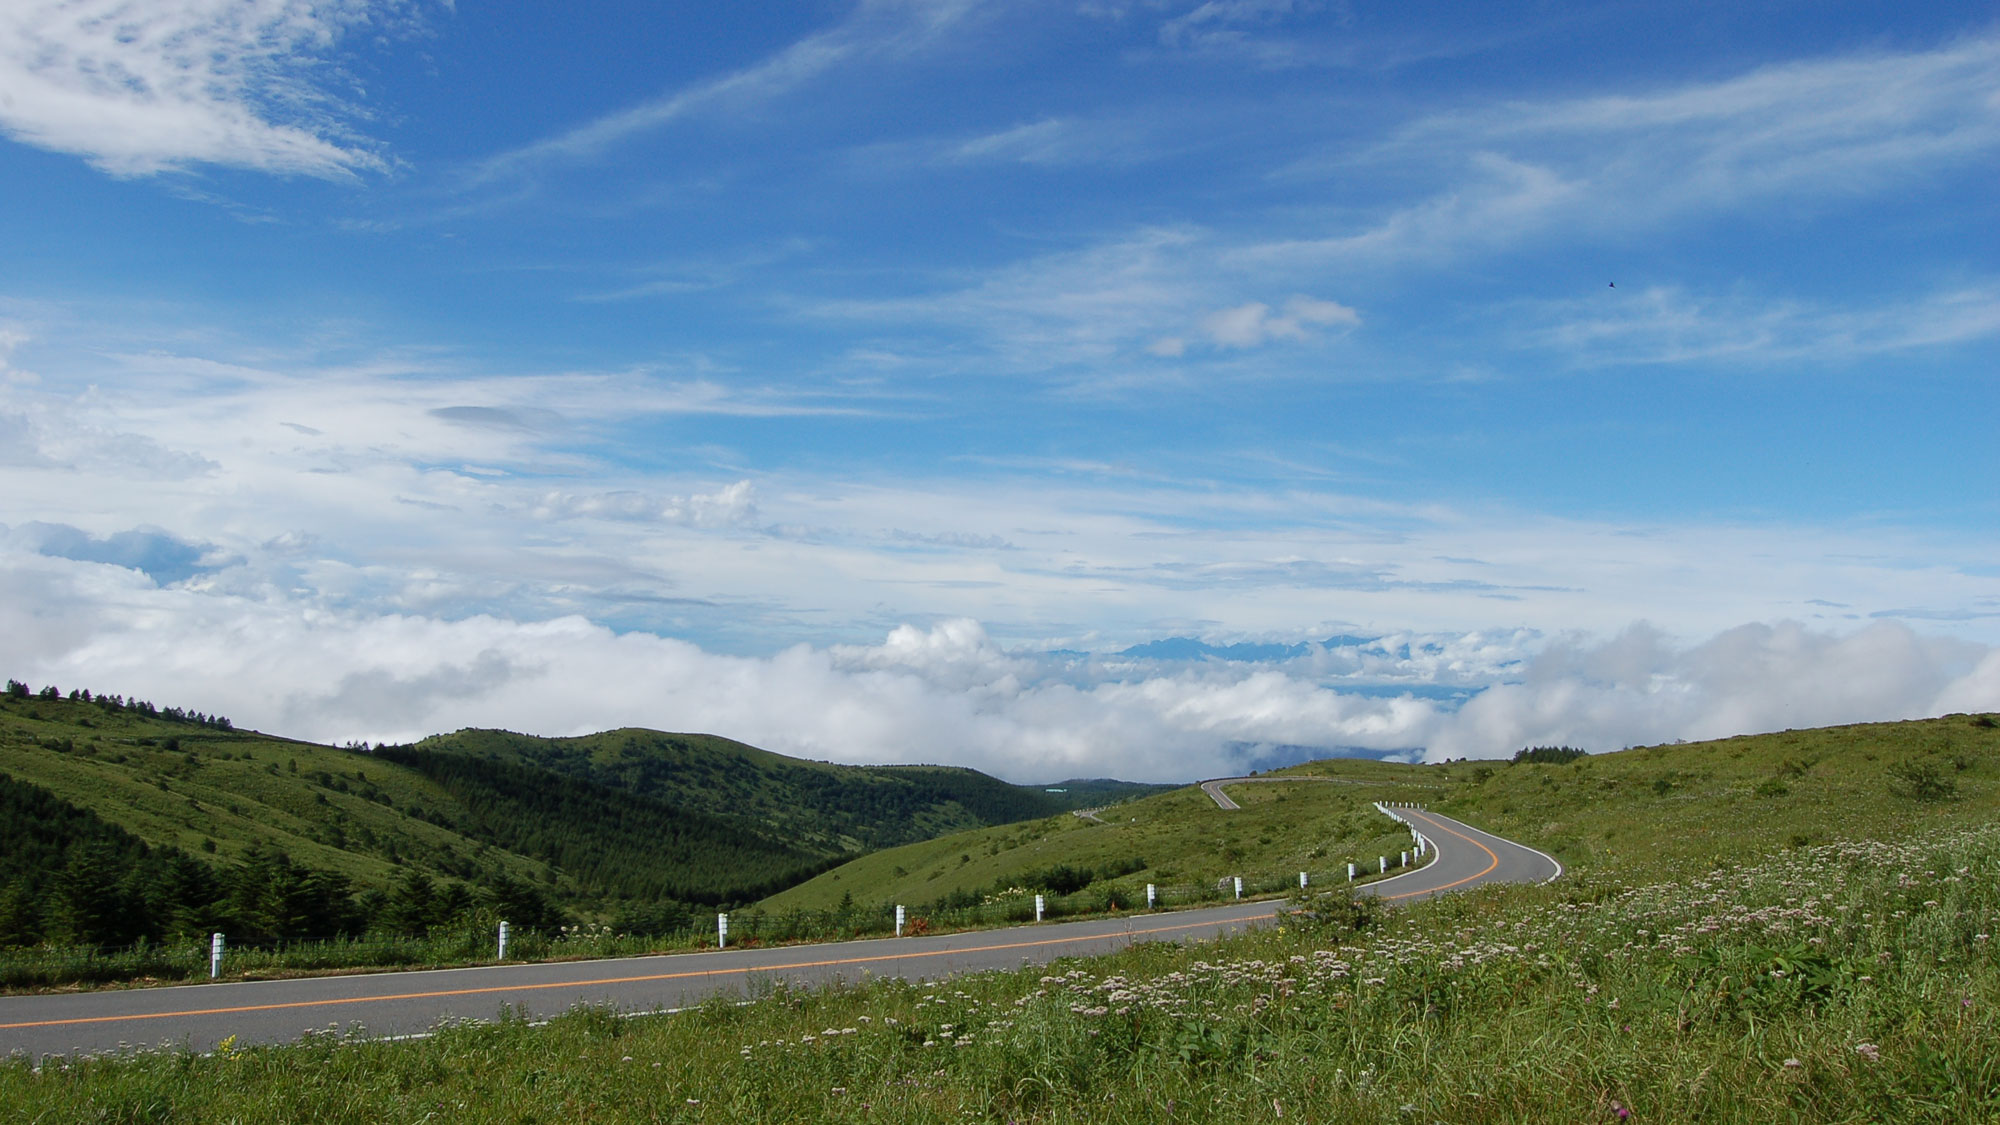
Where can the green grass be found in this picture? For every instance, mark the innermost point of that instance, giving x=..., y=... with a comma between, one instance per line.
x=1185, y=841
x=218, y=794
x=1835, y=983
x=585, y=819
x=1638, y=813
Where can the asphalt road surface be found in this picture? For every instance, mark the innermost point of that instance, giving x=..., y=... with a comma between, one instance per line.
x=197, y=1017
x=1222, y=801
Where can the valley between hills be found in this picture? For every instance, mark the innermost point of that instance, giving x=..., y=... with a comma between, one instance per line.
x=1794, y=925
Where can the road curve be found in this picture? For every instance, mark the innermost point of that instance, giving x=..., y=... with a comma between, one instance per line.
x=1465, y=857
x=1214, y=787
x=199, y=1016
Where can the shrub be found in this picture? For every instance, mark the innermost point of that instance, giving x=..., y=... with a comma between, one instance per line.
x=1921, y=781
x=1333, y=914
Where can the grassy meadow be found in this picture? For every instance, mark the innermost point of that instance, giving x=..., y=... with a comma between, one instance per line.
x=1641, y=813
x=1835, y=982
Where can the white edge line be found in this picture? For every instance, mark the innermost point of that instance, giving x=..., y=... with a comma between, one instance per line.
x=1558, y=863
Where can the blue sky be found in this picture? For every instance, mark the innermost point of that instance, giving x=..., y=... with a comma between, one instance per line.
x=865, y=380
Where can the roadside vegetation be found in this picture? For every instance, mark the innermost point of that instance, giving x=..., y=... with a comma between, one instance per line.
x=1843, y=981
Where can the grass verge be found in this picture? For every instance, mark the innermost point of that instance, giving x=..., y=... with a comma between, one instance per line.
x=1841, y=982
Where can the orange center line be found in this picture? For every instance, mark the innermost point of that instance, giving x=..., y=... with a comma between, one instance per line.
x=1494, y=856
x=607, y=980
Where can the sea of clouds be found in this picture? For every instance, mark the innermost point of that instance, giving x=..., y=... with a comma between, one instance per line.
x=947, y=692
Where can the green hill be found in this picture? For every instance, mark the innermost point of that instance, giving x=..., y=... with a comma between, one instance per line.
x=822, y=808
x=1647, y=812
x=625, y=823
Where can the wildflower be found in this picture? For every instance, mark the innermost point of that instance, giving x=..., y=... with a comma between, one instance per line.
x=1868, y=1051
x=1793, y=1064
x=1619, y=1111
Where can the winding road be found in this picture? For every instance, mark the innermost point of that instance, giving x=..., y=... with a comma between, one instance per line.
x=197, y=1017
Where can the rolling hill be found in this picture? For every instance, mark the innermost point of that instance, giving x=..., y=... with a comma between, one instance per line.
x=1655, y=811
x=595, y=824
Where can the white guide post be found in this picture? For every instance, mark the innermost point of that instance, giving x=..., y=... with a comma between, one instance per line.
x=1149, y=896
x=214, y=956
x=1350, y=873
x=1302, y=880
x=502, y=954
x=1385, y=864
x=899, y=920
x=722, y=931
x=1406, y=860
x=1039, y=904
x=1239, y=886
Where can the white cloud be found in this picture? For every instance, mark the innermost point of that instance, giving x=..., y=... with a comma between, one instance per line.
x=1640, y=688
x=730, y=506
x=877, y=30
x=945, y=693
x=1074, y=306
x=1813, y=132
x=142, y=88
x=1660, y=324
x=1255, y=324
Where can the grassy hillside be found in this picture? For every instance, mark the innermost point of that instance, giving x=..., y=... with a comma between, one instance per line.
x=1177, y=839
x=1662, y=811
x=619, y=824
x=1653, y=811
x=220, y=794
x=824, y=808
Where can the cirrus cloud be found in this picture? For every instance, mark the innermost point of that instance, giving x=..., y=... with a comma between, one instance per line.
x=139, y=89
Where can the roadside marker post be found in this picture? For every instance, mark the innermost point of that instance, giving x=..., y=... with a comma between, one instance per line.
x=1385, y=864
x=899, y=920
x=1239, y=886
x=1406, y=860
x=1350, y=873
x=1149, y=896
x=1038, y=908
x=214, y=956
x=502, y=954
x=722, y=931
x=1302, y=880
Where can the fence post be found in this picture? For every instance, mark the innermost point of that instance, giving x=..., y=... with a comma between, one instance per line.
x=502, y=955
x=722, y=931
x=214, y=956
x=1239, y=886
x=1149, y=896
x=899, y=919
x=1038, y=908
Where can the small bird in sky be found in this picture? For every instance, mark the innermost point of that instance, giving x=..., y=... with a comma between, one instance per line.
x=1614, y=285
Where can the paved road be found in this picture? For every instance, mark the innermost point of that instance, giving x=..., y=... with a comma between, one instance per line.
x=1222, y=801
x=1466, y=857
x=199, y=1016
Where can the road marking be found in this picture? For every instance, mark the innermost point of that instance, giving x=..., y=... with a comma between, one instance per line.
x=616, y=980
x=1493, y=855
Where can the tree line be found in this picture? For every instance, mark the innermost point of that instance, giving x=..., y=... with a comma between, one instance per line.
x=70, y=877
x=116, y=703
